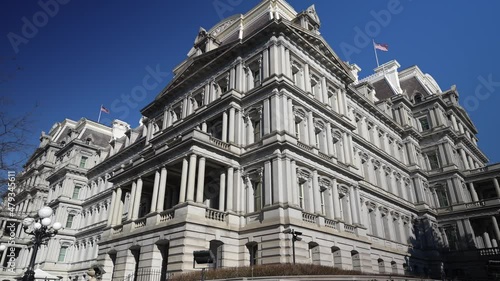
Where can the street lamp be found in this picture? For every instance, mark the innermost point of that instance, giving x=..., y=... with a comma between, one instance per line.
x=295, y=237
x=40, y=230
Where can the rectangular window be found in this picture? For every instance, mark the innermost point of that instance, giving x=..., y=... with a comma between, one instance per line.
x=317, y=136
x=442, y=197
x=322, y=197
x=256, y=130
x=83, y=161
x=433, y=160
x=253, y=254
x=76, y=192
x=301, y=195
x=297, y=130
x=257, y=196
x=69, y=221
x=62, y=254
x=425, y=123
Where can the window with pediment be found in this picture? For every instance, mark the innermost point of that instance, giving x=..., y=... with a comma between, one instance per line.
x=315, y=86
x=297, y=74
x=300, y=124
x=254, y=124
x=197, y=100
x=254, y=72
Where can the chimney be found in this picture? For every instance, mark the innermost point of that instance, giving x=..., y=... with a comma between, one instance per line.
x=119, y=128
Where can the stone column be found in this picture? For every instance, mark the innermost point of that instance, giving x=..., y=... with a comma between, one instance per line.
x=316, y=193
x=110, y=212
x=293, y=172
x=494, y=223
x=278, y=190
x=311, y=132
x=454, y=122
x=224, y=126
x=336, y=199
x=201, y=180
x=191, y=178
x=497, y=187
x=184, y=175
x=230, y=196
x=277, y=114
x=307, y=78
x=222, y=192
x=131, y=201
x=156, y=187
x=285, y=114
x=267, y=186
x=267, y=117
x=473, y=192
x=265, y=66
x=288, y=182
x=353, y=206
x=486, y=239
x=137, y=199
x=232, y=112
x=119, y=205
x=162, y=189
x=330, y=212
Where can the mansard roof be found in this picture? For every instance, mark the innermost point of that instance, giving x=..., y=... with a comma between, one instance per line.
x=237, y=29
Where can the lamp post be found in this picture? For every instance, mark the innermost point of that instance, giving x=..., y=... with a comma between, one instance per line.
x=40, y=230
x=295, y=237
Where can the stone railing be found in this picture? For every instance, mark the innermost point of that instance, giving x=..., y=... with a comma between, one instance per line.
x=167, y=215
x=331, y=223
x=219, y=143
x=310, y=218
x=216, y=215
x=304, y=146
x=349, y=228
x=140, y=223
x=324, y=156
x=489, y=252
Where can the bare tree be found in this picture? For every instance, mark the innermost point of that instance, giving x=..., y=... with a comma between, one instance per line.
x=15, y=133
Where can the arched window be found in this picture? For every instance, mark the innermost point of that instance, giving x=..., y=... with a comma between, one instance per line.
x=216, y=248
x=381, y=266
x=394, y=267
x=253, y=251
x=336, y=257
x=314, y=253
x=356, y=260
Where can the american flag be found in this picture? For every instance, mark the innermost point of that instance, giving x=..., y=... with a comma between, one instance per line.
x=382, y=47
x=105, y=110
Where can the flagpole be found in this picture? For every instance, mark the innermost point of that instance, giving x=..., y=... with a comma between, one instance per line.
x=99, y=118
x=375, y=50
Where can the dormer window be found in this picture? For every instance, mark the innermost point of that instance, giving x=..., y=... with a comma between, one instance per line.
x=222, y=86
x=417, y=98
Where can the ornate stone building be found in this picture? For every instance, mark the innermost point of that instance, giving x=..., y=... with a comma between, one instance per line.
x=264, y=128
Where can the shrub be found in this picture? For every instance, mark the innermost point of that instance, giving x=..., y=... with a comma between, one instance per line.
x=264, y=270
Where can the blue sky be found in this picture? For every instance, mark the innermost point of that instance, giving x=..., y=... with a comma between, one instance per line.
x=88, y=53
